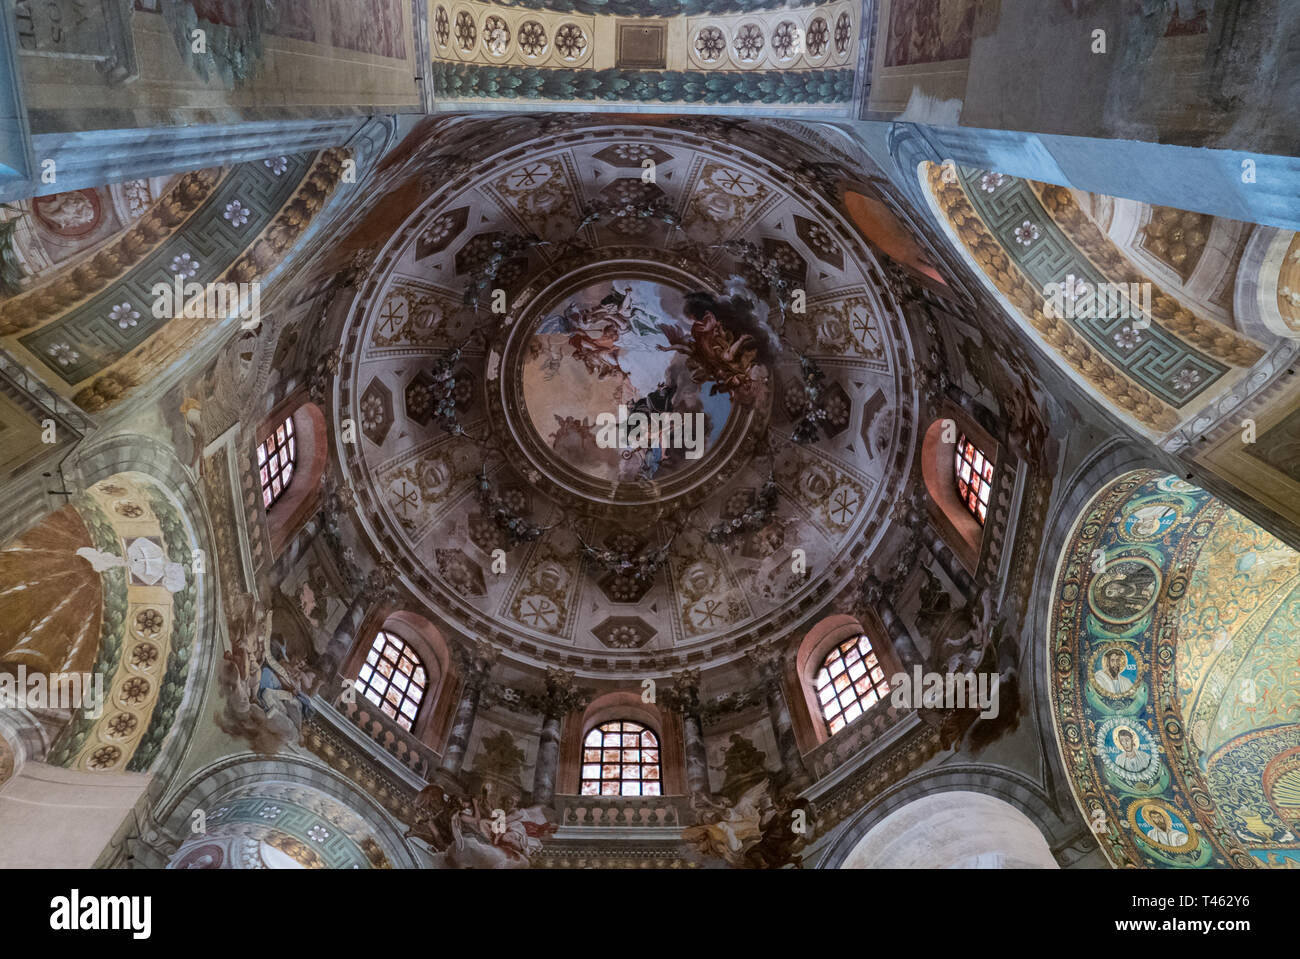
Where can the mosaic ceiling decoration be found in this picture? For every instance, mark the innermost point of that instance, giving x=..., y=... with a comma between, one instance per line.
x=97, y=329
x=1174, y=678
x=281, y=826
x=714, y=53
x=123, y=547
x=1157, y=366
x=666, y=293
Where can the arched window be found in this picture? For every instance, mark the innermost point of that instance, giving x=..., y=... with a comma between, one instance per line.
x=621, y=758
x=851, y=680
x=276, y=457
x=393, y=678
x=974, y=474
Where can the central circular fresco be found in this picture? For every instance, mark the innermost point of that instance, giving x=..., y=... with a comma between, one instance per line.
x=630, y=385
x=614, y=350
x=636, y=397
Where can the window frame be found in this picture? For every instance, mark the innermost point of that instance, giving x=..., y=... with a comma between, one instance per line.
x=641, y=780
x=283, y=438
x=878, y=688
x=979, y=484
x=368, y=671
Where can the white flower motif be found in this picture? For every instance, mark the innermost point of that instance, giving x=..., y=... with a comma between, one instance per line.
x=236, y=213
x=64, y=354
x=276, y=165
x=318, y=833
x=372, y=412
x=1026, y=233
x=1127, y=338
x=270, y=812
x=634, y=151
x=1185, y=379
x=991, y=181
x=439, y=230
x=185, y=265
x=1072, y=287
x=124, y=316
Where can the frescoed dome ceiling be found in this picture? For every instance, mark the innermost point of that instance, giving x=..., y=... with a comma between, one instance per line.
x=618, y=254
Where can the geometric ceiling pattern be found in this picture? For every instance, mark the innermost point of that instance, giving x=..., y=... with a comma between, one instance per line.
x=1175, y=679
x=697, y=53
x=540, y=220
x=97, y=329
x=1151, y=358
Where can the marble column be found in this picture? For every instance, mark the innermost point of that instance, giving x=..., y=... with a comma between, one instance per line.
x=769, y=660
x=915, y=518
x=548, y=761
x=476, y=668
x=684, y=698
x=900, y=638
x=379, y=588
x=561, y=698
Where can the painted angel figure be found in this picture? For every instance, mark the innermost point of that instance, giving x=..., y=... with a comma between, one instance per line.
x=714, y=354
x=599, y=353
x=728, y=829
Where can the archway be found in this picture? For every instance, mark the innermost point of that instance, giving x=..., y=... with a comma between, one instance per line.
x=280, y=825
x=1175, y=695
x=953, y=830
x=1103, y=316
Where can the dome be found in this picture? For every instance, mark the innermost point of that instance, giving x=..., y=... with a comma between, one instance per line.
x=558, y=279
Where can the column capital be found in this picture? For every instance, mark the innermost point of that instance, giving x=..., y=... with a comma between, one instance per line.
x=476, y=662
x=562, y=695
x=683, y=695
x=768, y=658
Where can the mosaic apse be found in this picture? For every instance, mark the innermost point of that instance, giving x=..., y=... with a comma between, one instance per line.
x=1175, y=687
x=559, y=215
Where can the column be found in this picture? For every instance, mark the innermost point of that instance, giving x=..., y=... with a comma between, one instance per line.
x=378, y=588
x=913, y=515
x=684, y=698
x=769, y=659
x=899, y=636
x=476, y=667
x=562, y=697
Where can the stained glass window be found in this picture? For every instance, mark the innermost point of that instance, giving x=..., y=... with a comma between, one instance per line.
x=974, y=474
x=276, y=456
x=393, y=678
x=851, y=681
x=621, y=758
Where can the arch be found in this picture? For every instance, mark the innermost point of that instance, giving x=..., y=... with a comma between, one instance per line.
x=301, y=497
x=1028, y=241
x=952, y=517
x=321, y=790
x=124, y=550
x=957, y=829
x=821, y=641
x=45, y=801
x=1172, y=704
x=1067, y=838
